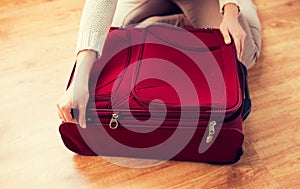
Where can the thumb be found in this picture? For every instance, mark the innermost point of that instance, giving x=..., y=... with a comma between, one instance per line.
x=226, y=36
x=81, y=117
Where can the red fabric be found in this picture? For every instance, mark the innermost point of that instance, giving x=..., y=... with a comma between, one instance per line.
x=118, y=85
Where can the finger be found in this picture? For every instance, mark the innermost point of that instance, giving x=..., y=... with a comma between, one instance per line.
x=242, y=47
x=226, y=36
x=60, y=112
x=237, y=43
x=60, y=115
x=67, y=113
x=81, y=117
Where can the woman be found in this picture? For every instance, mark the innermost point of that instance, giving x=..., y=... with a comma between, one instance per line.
x=235, y=18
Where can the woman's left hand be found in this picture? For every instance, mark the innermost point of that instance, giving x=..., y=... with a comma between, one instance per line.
x=230, y=26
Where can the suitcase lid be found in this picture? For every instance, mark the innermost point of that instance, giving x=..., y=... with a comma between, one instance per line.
x=165, y=66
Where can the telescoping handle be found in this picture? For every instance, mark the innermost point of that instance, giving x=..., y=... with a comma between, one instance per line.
x=247, y=99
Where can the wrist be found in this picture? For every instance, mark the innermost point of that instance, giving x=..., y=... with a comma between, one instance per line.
x=85, y=61
x=231, y=10
x=87, y=53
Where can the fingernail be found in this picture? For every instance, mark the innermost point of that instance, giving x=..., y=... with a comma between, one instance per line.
x=227, y=41
x=83, y=125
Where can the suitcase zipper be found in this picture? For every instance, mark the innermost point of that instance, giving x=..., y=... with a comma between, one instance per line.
x=113, y=124
x=211, y=131
x=115, y=116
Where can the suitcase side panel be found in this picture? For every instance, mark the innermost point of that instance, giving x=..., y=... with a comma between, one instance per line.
x=225, y=148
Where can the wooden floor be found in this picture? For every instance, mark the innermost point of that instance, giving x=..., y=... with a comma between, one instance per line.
x=37, y=41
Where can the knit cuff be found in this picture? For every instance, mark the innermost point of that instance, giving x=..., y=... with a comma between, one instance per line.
x=90, y=40
x=224, y=2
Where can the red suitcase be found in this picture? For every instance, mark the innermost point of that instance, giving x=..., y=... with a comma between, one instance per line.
x=164, y=92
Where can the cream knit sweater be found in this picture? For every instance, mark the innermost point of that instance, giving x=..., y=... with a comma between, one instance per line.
x=96, y=19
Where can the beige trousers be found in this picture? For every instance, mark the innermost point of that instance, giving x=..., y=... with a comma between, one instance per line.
x=192, y=13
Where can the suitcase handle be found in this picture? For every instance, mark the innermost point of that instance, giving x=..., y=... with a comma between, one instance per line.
x=247, y=100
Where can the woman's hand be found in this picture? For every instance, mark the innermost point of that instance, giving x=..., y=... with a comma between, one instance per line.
x=73, y=99
x=230, y=26
x=77, y=95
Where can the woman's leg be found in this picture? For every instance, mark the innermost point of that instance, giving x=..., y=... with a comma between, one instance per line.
x=206, y=13
x=149, y=11
x=201, y=13
x=252, y=43
x=250, y=15
x=136, y=11
x=174, y=19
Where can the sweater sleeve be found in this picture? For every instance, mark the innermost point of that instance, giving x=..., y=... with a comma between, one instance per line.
x=224, y=2
x=95, y=22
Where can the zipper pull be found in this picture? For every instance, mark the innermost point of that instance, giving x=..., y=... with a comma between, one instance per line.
x=113, y=124
x=211, y=131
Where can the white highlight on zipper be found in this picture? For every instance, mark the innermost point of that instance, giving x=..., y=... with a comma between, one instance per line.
x=211, y=131
x=113, y=124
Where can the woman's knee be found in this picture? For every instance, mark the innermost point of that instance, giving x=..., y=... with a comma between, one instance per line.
x=175, y=19
x=252, y=43
x=250, y=56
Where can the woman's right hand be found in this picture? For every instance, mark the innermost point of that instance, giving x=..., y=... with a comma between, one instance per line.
x=77, y=95
x=230, y=26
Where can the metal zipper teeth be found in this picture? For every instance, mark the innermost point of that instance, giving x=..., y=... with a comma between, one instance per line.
x=143, y=112
x=139, y=113
x=124, y=115
x=114, y=123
